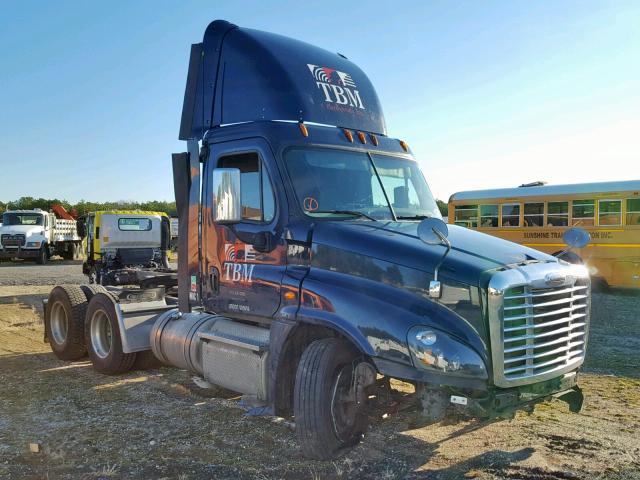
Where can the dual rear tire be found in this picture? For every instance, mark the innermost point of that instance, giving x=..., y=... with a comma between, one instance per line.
x=64, y=325
x=83, y=320
x=102, y=337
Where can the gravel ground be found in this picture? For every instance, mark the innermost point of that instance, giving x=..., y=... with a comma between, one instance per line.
x=157, y=424
x=30, y=273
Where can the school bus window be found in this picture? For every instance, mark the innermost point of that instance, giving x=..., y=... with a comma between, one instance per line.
x=583, y=213
x=610, y=212
x=633, y=211
x=489, y=215
x=511, y=215
x=557, y=214
x=466, y=216
x=534, y=214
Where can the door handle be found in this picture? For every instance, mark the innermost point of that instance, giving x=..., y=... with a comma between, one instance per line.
x=214, y=279
x=262, y=242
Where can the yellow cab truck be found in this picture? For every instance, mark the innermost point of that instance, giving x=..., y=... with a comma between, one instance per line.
x=124, y=247
x=537, y=215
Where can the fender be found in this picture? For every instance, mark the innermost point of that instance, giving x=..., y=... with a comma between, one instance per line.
x=376, y=316
x=335, y=322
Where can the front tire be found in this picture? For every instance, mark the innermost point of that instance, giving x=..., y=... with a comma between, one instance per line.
x=327, y=419
x=102, y=336
x=64, y=324
x=42, y=257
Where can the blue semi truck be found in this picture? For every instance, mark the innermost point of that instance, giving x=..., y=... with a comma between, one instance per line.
x=314, y=263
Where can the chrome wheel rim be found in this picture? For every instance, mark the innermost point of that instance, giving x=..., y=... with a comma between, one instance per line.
x=101, y=334
x=59, y=323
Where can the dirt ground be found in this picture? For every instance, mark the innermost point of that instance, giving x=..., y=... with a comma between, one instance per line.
x=156, y=424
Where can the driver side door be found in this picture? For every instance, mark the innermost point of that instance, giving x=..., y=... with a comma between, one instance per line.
x=243, y=263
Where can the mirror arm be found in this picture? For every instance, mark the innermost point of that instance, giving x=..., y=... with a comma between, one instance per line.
x=447, y=243
x=568, y=249
x=435, y=288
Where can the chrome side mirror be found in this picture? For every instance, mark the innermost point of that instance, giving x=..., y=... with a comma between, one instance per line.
x=576, y=238
x=227, y=207
x=434, y=231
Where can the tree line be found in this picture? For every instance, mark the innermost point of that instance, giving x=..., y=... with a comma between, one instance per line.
x=83, y=207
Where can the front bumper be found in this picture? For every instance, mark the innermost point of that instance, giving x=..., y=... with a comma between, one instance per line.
x=504, y=402
x=9, y=253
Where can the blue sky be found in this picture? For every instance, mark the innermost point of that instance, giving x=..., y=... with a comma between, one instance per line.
x=487, y=94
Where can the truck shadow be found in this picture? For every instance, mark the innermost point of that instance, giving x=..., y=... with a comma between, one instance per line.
x=496, y=462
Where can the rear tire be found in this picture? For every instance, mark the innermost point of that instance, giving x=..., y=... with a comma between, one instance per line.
x=325, y=423
x=102, y=336
x=77, y=251
x=93, y=289
x=64, y=324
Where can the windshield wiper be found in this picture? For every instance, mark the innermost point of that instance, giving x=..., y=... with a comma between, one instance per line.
x=412, y=217
x=346, y=212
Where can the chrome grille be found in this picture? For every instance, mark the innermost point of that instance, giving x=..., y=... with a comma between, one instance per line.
x=543, y=328
x=538, y=331
x=12, y=240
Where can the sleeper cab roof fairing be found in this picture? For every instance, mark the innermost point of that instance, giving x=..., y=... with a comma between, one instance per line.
x=242, y=75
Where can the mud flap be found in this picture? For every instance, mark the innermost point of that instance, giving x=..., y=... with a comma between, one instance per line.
x=574, y=398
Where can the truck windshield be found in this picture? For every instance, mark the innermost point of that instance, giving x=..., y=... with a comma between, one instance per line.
x=344, y=183
x=14, y=218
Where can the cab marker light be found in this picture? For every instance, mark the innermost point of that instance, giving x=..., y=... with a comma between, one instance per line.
x=289, y=296
x=362, y=138
x=303, y=129
x=348, y=134
x=374, y=139
x=404, y=145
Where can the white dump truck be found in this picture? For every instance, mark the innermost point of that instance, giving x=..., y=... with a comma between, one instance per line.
x=37, y=234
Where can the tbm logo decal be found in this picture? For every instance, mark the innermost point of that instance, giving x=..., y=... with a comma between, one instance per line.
x=239, y=272
x=338, y=87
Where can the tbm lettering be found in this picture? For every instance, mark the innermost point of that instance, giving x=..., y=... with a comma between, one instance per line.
x=341, y=95
x=238, y=272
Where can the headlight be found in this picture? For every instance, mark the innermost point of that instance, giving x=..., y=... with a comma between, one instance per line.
x=433, y=349
x=33, y=244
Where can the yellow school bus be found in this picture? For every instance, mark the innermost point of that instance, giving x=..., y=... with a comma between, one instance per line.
x=536, y=215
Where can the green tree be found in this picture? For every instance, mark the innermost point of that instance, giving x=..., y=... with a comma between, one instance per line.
x=444, y=208
x=84, y=206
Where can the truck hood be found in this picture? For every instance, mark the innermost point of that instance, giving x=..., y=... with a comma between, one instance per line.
x=25, y=230
x=472, y=252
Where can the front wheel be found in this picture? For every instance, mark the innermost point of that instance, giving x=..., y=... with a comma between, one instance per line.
x=42, y=257
x=327, y=415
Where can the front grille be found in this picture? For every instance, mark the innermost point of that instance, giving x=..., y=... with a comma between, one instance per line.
x=538, y=331
x=543, y=328
x=12, y=240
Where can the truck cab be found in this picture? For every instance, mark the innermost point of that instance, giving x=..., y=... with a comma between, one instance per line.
x=118, y=243
x=314, y=264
